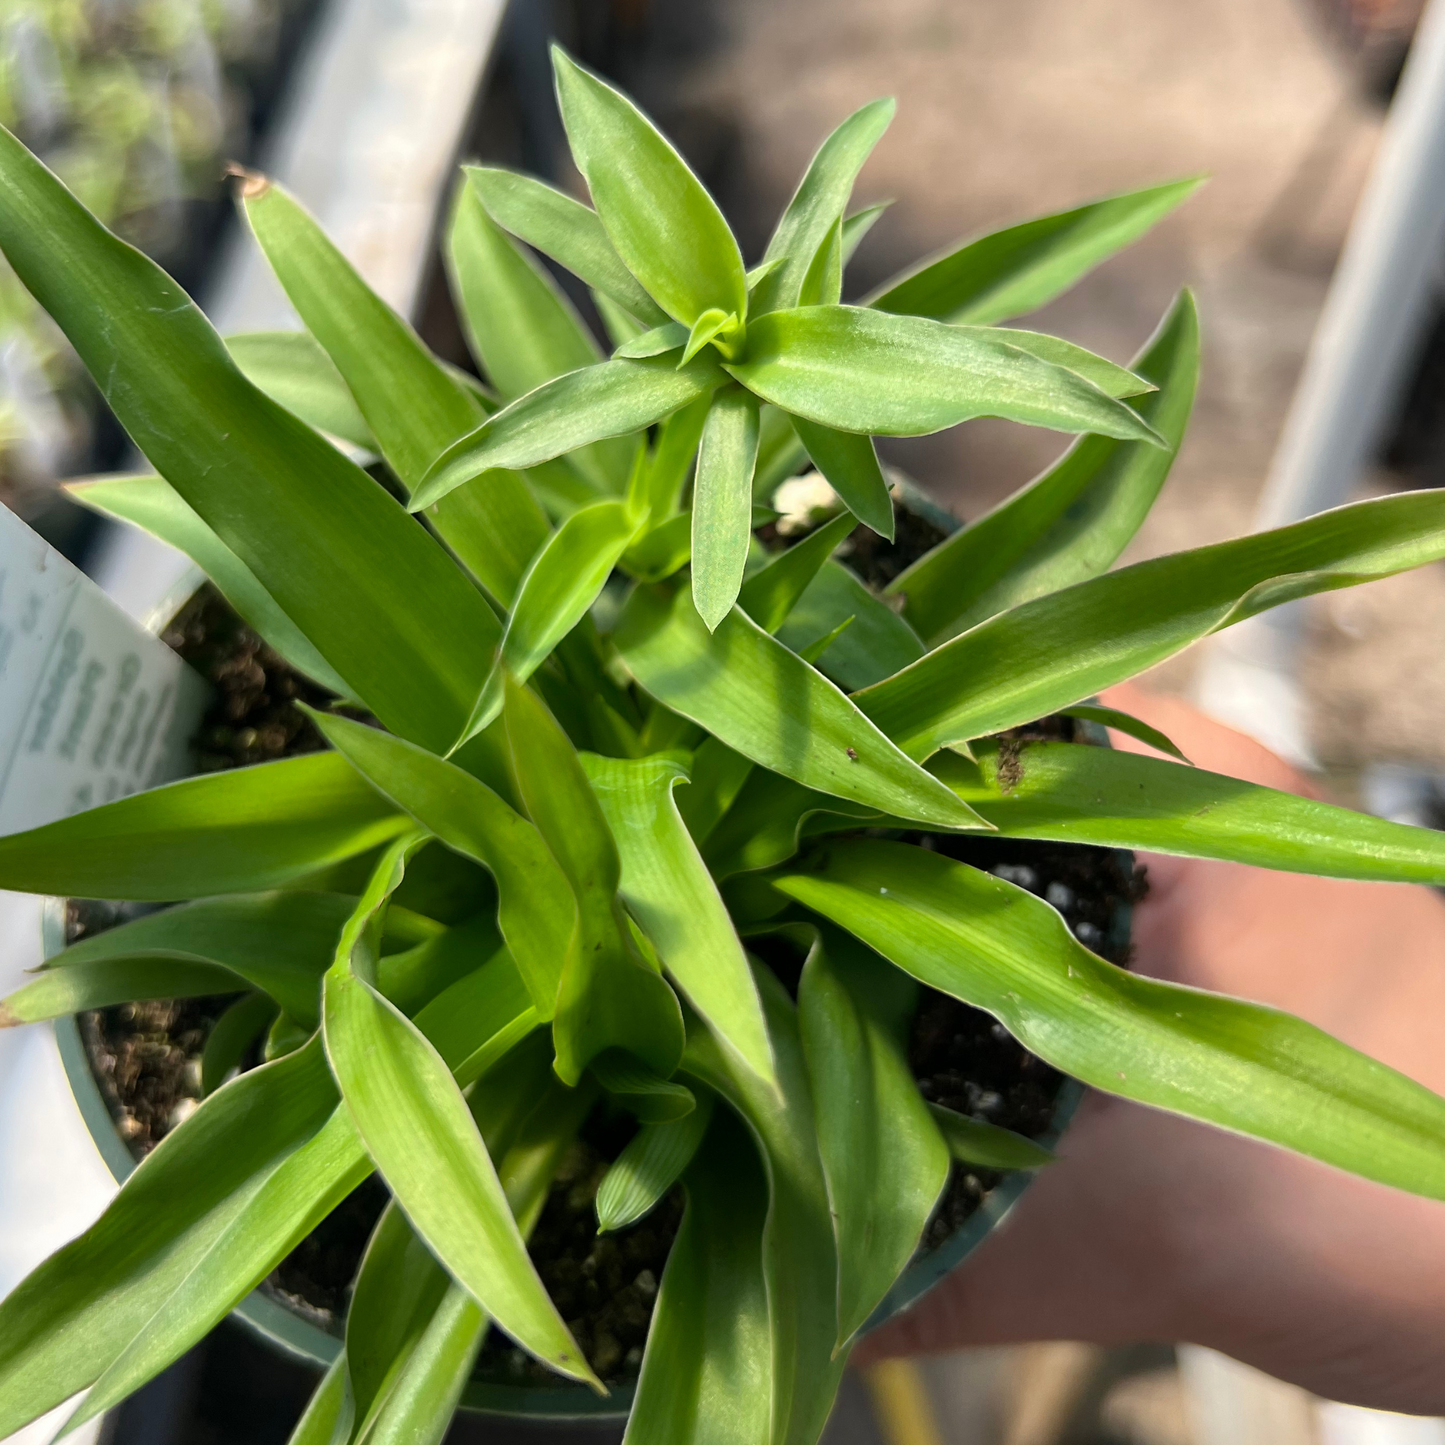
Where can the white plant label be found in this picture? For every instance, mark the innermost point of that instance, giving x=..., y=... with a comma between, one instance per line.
x=92, y=707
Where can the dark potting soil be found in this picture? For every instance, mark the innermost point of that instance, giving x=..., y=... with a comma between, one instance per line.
x=604, y=1286
x=253, y=717
x=146, y=1056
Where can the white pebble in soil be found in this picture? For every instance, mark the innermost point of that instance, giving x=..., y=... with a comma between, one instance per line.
x=1089, y=934
x=183, y=1110
x=1060, y=895
x=986, y=1103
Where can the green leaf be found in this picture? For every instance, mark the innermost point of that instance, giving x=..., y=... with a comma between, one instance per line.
x=658, y=341
x=292, y=1200
x=285, y=1036
x=335, y=551
x=1113, y=380
x=650, y=1097
x=1018, y=270
x=424, y=1397
x=60, y=992
x=328, y=1413
x=537, y=1138
x=878, y=644
x=771, y=593
x=818, y=204
x=823, y=285
x=1073, y=521
x=815, y=650
x=231, y=1035
x=717, y=775
x=206, y=1216
x=665, y=227
x=397, y=1291
x=293, y=370
x=535, y=911
x=607, y=400
x=566, y=577
x=971, y=1141
x=712, y=325
x=413, y=977
x=480, y=1018
x=650, y=1164
x=780, y=453
x=866, y=371
x=418, y=1129
x=151, y=503
x=279, y=942
x=1239, y=1065
x=620, y=325
x=520, y=326
x=884, y=1159
x=1111, y=717
x=707, y=1374
x=1057, y=650
x=660, y=552
x=672, y=457
x=411, y=1339
x=610, y=996
x=233, y=832
x=413, y=405
x=441, y=884
x=766, y=703
x=667, y=888
x=722, y=502
x=800, y=1259
x=857, y=226
x=766, y=824
x=1073, y=793
x=564, y=229
x=756, y=274
x=850, y=465
x=70, y=1319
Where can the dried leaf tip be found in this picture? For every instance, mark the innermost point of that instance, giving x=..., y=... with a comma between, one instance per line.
x=253, y=183
x=9, y=1019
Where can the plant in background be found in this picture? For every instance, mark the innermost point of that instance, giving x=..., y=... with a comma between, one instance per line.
x=131, y=102
x=655, y=740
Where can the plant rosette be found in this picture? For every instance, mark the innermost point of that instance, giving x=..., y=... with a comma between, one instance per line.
x=297, y=1332
x=599, y=749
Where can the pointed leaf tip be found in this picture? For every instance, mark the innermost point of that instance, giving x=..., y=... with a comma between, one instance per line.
x=667, y=229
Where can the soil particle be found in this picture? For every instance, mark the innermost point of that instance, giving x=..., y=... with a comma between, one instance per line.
x=253, y=717
x=146, y=1059
x=877, y=560
x=1010, y=765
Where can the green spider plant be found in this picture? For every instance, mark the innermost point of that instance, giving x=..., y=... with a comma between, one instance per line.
x=616, y=737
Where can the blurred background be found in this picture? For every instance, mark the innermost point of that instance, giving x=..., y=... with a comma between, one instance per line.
x=1006, y=111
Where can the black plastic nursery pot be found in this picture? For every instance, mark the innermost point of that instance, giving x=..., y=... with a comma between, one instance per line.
x=288, y=1329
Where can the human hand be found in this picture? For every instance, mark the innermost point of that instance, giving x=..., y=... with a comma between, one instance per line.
x=1153, y=1227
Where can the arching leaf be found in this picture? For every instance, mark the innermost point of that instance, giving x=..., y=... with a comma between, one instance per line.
x=1060, y=649
x=667, y=229
x=232, y=832
x=865, y=371
x=1239, y=1065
